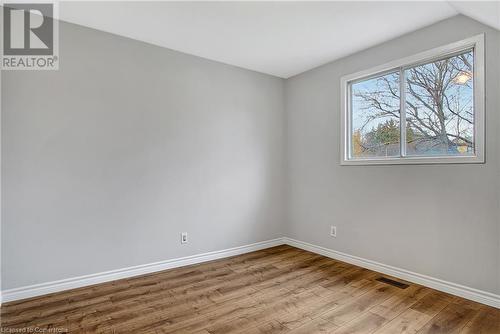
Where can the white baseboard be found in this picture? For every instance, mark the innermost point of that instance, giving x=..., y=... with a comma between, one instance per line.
x=431, y=282
x=77, y=282
x=81, y=281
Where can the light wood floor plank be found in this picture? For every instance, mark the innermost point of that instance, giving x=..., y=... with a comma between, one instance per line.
x=451, y=319
x=486, y=321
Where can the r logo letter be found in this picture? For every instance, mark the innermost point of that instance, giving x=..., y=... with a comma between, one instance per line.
x=28, y=29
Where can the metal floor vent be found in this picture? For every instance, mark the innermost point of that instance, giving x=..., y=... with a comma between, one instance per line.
x=392, y=282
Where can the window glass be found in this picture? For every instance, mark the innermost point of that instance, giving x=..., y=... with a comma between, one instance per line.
x=375, y=117
x=439, y=107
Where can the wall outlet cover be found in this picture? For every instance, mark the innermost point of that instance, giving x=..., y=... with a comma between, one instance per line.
x=184, y=237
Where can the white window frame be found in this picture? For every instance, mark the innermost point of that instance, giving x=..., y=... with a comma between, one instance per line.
x=477, y=44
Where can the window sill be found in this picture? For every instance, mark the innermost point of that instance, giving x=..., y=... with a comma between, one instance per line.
x=414, y=161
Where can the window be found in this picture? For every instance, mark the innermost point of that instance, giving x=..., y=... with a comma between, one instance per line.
x=428, y=108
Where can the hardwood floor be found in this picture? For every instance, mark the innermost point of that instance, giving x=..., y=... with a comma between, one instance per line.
x=277, y=290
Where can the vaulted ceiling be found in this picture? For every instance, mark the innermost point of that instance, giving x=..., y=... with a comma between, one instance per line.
x=277, y=38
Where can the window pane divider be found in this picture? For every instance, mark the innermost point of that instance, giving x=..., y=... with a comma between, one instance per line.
x=402, y=113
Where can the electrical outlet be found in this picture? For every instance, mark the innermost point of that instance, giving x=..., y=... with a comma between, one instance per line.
x=184, y=238
x=333, y=231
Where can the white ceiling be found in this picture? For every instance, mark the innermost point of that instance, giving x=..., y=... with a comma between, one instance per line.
x=277, y=38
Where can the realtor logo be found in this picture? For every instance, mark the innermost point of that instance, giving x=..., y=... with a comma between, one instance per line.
x=30, y=36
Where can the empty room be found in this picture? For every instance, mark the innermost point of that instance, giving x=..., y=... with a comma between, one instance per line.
x=250, y=167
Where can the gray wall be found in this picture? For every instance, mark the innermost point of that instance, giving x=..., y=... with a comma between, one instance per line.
x=107, y=160
x=441, y=221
